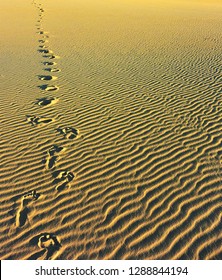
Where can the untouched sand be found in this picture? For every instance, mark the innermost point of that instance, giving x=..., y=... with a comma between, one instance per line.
x=111, y=143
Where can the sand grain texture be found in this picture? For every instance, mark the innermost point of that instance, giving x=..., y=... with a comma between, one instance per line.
x=118, y=153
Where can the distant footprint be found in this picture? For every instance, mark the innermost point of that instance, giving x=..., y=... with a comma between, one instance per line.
x=43, y=32
x=49, y=88
x=44, y=50
x=43, y=46
x=43, y=41
x=69, y=132
x=23, y=211
x=47, y=77
x=51, y=56
x=49, y=63
x=52, y=69
x=47, y=101
x=36, y=121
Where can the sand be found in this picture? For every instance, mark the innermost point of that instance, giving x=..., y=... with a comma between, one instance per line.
x=111, y=144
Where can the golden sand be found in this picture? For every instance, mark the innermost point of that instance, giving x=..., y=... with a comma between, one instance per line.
x=111, y=144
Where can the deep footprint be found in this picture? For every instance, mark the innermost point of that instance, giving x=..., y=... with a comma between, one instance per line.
x=52, y=156
x=49, y=63
x=47, y=77
x=47, y=101
x=48, y=243
x=52, y=69
x=43, y=41
x=62, y=187
x=22, y=216
x=43, y=32
x=51, y=56
x=23, y=211
x=43, y=46
x=45, y=50
x=50, y=162
x=35, y=121
x=49, y=88
x=55, y=150
x=69, y=132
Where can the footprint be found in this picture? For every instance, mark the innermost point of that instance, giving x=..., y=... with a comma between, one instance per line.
x=51, y=56
x=43, y=41
x=61, y=187
x=23, y=211
x=69, y=132
x=43, y=32
x=64, y=175
x=45, y=51
x=43, y=46
x=55, y=150
x=29, y=196
x=47, y=101
x=48, y=243
x=50, y=162
x=49, y=88
x=22, y=216
x=62, y=179
x=49, y=63
x=47, y=77
x=36, y=121
x=52, y=69
x=52, y=156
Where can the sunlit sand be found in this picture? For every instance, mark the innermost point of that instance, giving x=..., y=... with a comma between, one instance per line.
x=111, y=144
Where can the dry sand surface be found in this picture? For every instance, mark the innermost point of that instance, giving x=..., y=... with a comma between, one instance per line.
x=111, y=129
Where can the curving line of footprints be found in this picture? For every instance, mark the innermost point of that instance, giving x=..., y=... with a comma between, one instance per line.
x=48, y=242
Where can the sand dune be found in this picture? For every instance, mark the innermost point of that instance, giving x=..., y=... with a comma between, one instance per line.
x=111, y=143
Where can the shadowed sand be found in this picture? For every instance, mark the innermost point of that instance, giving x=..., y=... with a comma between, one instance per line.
x=119, y=154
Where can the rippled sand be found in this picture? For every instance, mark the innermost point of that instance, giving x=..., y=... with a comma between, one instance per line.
x=111, y=144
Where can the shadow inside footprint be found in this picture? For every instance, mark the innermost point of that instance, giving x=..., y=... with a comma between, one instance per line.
x=52, y=156
x=43, y=46
x=49, y=63
x=61, y=187
x=44, y=50
x=37, y=255
x=50, y=162
x=46, y=77
x=46, y=101
x=48, y=88
x=48, y=243
x=54, y=150
x=22, y=216
x=51, y=56
x=52, y=69
x=43, y=32
x=68, y=132
x=43, y=41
